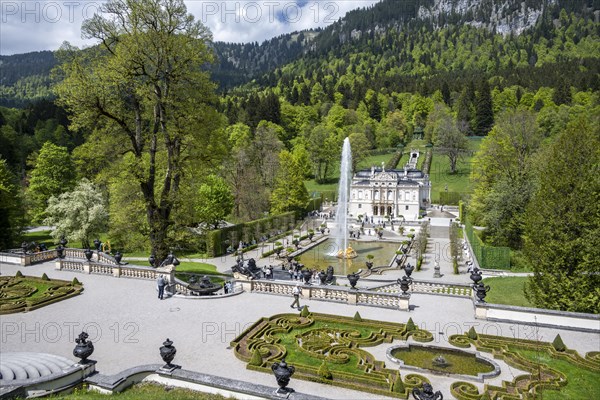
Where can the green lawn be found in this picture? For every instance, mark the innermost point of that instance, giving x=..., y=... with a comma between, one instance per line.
x=146, y=391
x=441, y=177
x=201, y=269
x=507, y=290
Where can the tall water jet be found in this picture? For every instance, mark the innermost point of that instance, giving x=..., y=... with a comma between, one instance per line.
x=340, y=231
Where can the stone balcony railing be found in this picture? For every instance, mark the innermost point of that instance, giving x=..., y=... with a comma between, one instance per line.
x=125, y=271
x=337, y=294
x=445, y=289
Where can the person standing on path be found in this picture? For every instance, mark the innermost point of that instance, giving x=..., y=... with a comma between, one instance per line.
x=161, y=286
x=296, y=294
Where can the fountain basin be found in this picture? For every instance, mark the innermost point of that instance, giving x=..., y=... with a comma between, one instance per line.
x=462, y=364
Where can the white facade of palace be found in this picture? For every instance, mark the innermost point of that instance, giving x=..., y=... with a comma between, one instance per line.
x=395, y=193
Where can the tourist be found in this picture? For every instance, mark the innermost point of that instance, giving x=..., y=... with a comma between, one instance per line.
x=291, y=272
x=161, y=286
x=296, y=294
x=268, y=273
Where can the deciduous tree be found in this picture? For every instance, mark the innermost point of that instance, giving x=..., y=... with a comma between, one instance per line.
x=214, y=201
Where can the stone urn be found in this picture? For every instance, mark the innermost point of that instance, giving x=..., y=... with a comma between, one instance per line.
x=426, y=393
x=353, y=279
x=167, y=353
x=476, y=276
x=283, y=373
x=84, y=348
x=97, y=244
x=481, y=291
x=118, y=257
x=24, y=247
x=408, y=269
x=404, y=283
x=398, y=261
x=369, y=264
x=88, y=254
x=152, y=260
x=323, y=277
x=63, y=242
x=307, y=275
x=60, y=251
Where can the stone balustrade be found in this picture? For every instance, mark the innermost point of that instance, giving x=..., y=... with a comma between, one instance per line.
x=446, y=289
x=125, y=271
x=331, y=293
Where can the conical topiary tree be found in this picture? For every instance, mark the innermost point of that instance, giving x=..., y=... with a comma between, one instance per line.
x=45, y=277
x=75, y=281
x=472, y=334
x=410, y=325
x=304, y=313
x=558, y=344
x=256, y=359
x=18, y=274
x=324, y=372
x=397, y=384
x=357, y=317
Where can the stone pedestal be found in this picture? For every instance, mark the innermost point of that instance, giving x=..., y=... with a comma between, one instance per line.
x=306, y=292
x=352, y=297
x=87, y=267
x=404, y=302
x=58, y=264
x=480, y=310
x=116, y=272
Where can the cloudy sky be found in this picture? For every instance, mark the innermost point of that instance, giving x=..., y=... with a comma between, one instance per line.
x=43, y=25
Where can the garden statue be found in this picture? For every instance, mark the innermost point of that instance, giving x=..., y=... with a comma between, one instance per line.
x=330, y=278
x=88, y=254
x=152, y=259
x=353, y=279
x=481, y=291
x=60, y=251
x=98, y=244
x=283, y=373
x=170, y=260
x=43, y=247
x=203, y=286
x=440, y=361
x=426, y=393
x=24, y=247
x=63, y=241
x=84, y=348
x=167, y=353
x=118, y=257
x=404, y=283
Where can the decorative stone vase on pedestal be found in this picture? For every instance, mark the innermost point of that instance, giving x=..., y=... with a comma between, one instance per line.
x=88, y=254
x=152, y=260
x=283, y=373
x=24, y=247
x=84, y=348
x=60, y=251
x=307, y=275
x=118, y=257
x=63, y=242
x=408, y=269
x=404, y=283
x=481, y=291
x=97, y=244
x=369, y=265
x=353, y=279
x=323, y=277
x=476, y=276
x=167, y=353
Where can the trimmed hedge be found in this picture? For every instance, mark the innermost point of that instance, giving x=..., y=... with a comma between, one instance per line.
x=21, y=293
x=217, y=241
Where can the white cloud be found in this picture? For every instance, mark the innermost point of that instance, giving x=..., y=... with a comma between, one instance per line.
x=43, y=25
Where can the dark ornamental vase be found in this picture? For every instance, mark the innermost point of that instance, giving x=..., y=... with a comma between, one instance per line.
x=323, y=277
x=118, y=257
x=97, y=244
x=307, y=275
x=24, y=247
x=481, y=291
x=476, y=276
x=283, y=373
x=63, y=242
x=408, y=269
x=152, y=260
x=84, y=348
x=426, y=393
x=353, y=279
x=369, y=264
x=60, y=251
x=404, y=283
x=398, y=261
x=167, y=353
x=88, y=254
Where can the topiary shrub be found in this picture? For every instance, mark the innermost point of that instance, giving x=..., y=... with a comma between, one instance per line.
x=397, y=384
x=45, y=277
x=472, y=334
x=357, y=317
x=324, y=372
x=304, y=313
x=558, y=344
x=19, y=274
x=410, y=325
x=256, y=359
x=75, y=281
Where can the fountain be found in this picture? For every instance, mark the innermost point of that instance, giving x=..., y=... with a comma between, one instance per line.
x=340, y=232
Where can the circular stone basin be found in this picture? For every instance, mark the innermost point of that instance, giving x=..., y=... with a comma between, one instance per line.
x=457, y=362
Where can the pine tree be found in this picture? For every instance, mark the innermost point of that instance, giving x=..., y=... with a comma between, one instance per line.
x=484, y=113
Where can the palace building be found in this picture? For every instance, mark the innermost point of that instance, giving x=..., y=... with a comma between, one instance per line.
x=395, y=193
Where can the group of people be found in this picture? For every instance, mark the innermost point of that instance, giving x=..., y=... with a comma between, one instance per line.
x=228, y=287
